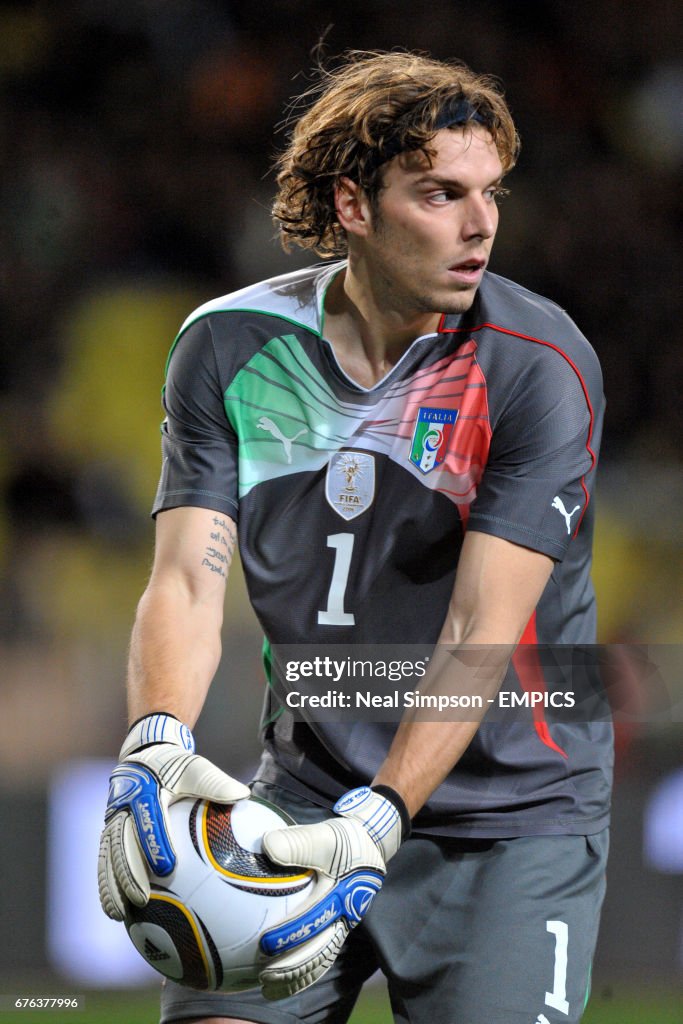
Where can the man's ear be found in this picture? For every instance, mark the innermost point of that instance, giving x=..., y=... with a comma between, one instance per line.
x=352, y=206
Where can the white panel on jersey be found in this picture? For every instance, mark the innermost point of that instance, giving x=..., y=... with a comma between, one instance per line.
x=278, y=297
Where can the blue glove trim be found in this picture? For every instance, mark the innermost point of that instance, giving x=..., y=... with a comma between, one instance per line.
x=352, y=799
x=350, y=898
x=133, y=788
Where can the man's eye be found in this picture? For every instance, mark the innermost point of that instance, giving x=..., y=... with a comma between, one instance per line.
x=441, y=197
x=496, y=193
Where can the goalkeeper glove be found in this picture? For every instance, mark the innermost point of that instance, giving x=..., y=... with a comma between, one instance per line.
x=157, y=766
x=349, y=854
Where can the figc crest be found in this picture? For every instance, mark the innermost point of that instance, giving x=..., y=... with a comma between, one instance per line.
x=433, y=429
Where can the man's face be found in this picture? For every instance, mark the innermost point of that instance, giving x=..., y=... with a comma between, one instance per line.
x=432, y=230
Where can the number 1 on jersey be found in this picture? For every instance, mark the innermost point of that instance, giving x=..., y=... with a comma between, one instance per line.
x=334, y=614
x=558, y=997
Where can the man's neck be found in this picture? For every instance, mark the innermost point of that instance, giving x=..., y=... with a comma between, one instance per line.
x=369, y=340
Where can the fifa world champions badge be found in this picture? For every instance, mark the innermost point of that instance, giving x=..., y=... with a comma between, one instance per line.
x=431, y=437
x=350, y=483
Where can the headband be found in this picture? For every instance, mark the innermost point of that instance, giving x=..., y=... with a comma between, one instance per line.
x=455, y=112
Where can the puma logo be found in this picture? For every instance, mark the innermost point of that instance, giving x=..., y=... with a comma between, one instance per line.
x=542, y=1019
x=559, y=505
x=265, y=423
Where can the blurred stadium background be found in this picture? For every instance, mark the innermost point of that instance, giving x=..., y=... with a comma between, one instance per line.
x=136, y=144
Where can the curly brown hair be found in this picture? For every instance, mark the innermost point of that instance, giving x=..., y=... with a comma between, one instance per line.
x=366, y=111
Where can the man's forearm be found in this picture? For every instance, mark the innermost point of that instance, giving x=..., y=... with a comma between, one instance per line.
x=174, y=653
x=424, y=751
x=497, y=586
x=420, y=758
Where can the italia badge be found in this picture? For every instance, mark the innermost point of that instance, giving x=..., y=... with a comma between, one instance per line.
x=433, y=429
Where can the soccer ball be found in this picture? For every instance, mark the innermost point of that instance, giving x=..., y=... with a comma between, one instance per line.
x=202, y=924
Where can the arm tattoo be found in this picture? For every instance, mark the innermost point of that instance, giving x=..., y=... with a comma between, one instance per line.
x=218, y=553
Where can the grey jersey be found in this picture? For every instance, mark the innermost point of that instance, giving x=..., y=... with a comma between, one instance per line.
x=352, y=506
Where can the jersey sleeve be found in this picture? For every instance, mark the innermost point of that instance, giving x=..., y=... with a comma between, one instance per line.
x=539, y=477
x=199, y=447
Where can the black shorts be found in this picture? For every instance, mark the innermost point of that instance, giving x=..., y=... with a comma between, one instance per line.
x=484, y=931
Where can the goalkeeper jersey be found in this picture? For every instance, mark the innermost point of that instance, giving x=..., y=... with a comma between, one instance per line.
x=352, y=504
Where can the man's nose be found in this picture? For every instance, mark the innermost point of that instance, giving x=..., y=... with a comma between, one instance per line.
x=481, y=217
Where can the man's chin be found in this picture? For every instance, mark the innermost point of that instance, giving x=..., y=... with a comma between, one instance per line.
x=460, y=303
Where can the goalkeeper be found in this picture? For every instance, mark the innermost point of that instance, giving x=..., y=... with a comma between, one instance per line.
x=406, y=444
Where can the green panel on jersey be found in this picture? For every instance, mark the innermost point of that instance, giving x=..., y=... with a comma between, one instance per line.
x=285, y=415
x=267, y=659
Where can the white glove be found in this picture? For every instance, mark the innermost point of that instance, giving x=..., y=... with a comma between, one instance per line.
x=158, y=765
x=350, y=855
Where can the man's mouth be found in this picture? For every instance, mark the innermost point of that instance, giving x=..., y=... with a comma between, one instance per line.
x=469, y=265
x=468, y=271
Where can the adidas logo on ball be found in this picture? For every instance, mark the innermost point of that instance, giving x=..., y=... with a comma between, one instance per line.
x=153, y=953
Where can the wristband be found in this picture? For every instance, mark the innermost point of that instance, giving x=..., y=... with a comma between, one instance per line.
x=399, y=803
x=158, y=727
